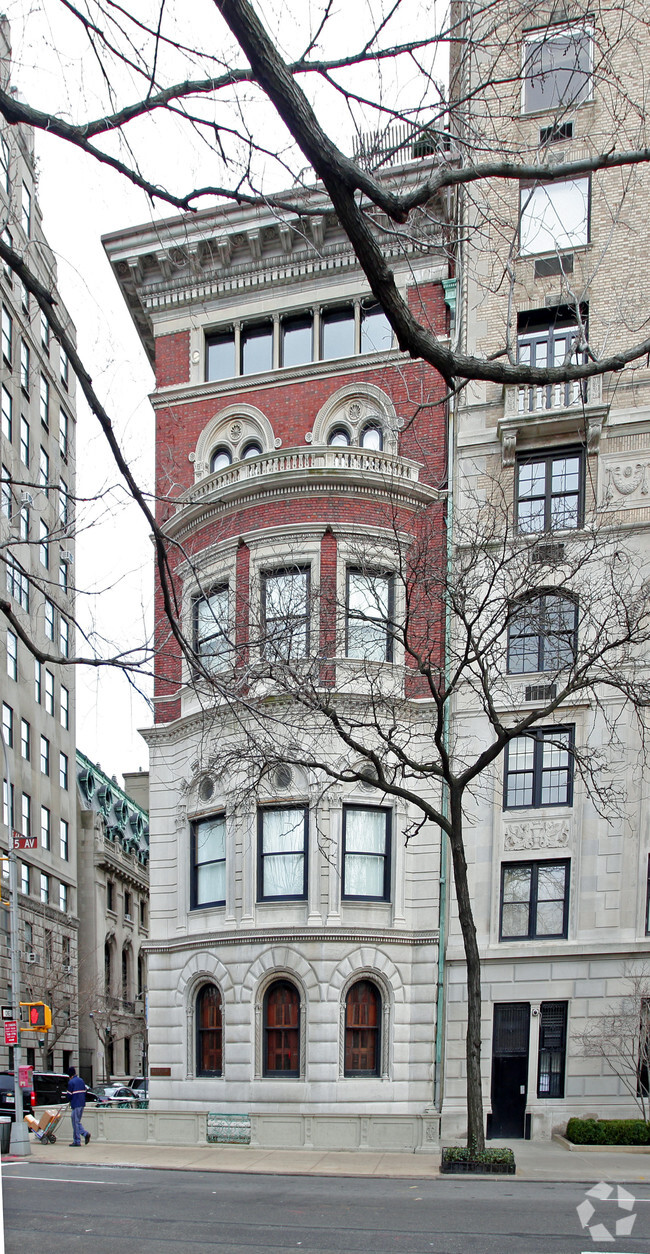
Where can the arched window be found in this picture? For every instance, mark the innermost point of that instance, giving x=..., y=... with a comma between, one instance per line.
x=282, y=1030
x=372, y=437
x=338, y=437
x=362, y=1029
x=542, y=634
x=252, y=449
x=208, y=1031
x=220, y=460
x=108, y=968
x=126, y=973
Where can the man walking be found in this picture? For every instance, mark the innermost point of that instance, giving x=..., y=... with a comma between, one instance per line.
x=77, y=1094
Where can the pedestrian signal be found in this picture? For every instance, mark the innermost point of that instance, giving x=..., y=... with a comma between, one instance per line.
x=39, y=1016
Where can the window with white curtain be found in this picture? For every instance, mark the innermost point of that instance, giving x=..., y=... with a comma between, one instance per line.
x=366, y=852
x=209, y=862
x=554, y=216
x=282, y=852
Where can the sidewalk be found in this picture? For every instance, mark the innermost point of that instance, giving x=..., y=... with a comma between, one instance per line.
x=543, y=1160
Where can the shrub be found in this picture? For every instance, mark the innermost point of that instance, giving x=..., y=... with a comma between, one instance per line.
x=608, y=1132
x=490, y=1157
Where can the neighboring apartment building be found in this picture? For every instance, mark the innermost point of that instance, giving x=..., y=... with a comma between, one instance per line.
x=560, y=890
x=293, y=939
x=113, y=886
x=37, y=554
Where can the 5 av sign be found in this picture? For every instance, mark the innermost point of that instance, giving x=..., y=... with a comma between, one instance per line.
x=24, y=842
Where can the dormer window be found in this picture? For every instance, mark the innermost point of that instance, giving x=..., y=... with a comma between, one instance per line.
x=339, y=437
x=220, y=460
x=252, y=449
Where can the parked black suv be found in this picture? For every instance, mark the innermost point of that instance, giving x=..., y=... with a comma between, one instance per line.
x=7, y=1103
x=51, y=1087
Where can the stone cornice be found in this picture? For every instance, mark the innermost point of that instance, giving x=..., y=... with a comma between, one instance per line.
x=266, y=936
x=360, y=363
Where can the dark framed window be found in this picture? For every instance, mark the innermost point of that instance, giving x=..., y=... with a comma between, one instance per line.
x=539, y=769
x=220, y=355
x=370, y=598
x=372, y=437
x=209, y=1031
x=556, y=68
x=550, y=491
x=337, y=332
x=282, y=853
x=552, y=1048
x=542, y=634
x=362, y=1030
x=376, y=331
x=282, y=1030
x=209, y=862
x=257, y=348
x=534, y=900
x=297, y=340
x=285, y=608
x=647, y=902
x=366, y=853
x=338, y=438
x=552, y=337
x=220, y=459
x=643, y=1058
x=211, y=642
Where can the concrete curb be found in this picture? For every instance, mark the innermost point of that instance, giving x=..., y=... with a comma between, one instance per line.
x=599, y=1149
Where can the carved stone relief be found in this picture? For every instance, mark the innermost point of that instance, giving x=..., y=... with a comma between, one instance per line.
x=626, y=484
x=538, y=834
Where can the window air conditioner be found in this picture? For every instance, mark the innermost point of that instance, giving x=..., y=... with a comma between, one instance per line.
x=67, y=557
x=67, y=968
x=26, y=498
x=30, y=956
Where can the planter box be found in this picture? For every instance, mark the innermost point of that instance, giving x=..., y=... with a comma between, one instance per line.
x=475, y=1167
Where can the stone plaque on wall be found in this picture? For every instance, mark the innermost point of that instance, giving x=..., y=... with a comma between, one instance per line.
x=537, y=834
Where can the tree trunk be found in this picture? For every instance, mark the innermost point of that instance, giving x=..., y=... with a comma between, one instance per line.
x=475, y=1130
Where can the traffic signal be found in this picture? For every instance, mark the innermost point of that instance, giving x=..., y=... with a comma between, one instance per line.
x=39, y=1016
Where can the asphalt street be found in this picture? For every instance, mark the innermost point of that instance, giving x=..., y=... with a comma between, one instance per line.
x=109, y=1210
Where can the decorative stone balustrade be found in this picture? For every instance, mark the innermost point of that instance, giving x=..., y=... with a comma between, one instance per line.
x=522, y=399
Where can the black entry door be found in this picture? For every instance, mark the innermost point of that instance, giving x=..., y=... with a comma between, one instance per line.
x=510, y=1069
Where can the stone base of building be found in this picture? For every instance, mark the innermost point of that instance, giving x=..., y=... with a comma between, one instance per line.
x=376, y=1133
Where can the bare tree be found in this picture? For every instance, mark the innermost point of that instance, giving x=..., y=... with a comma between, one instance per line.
x=343, y=716
x=621, y=1038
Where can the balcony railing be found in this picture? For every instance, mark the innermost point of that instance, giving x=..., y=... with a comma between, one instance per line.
x=291, y=461
x=553, y=398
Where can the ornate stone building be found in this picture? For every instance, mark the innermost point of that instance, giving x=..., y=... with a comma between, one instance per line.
x=293, y=943
x=113, y=886
x=547, y=270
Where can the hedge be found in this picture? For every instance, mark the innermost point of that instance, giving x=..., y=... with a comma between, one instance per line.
x=608, y=1132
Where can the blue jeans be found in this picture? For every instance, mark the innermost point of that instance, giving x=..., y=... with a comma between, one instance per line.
x=78, y=1129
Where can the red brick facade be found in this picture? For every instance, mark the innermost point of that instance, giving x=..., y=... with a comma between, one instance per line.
x=416, y=392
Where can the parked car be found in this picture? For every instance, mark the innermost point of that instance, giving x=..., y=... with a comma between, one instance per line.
x=7, y=1099
x=139, y=1084
x=51, y=1087
x=115, y=1095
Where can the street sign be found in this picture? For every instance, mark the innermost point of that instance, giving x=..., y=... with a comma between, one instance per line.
x=11, y=1032
x=24, y=842
x=7, y=1012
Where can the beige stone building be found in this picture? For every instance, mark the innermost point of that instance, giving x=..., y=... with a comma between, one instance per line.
x=37, y=441
x=113, y=878
x=549, y=270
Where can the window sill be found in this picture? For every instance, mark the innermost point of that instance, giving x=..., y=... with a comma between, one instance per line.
x=525, y=114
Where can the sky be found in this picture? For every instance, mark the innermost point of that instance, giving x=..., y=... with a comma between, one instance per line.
x=80, y=199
